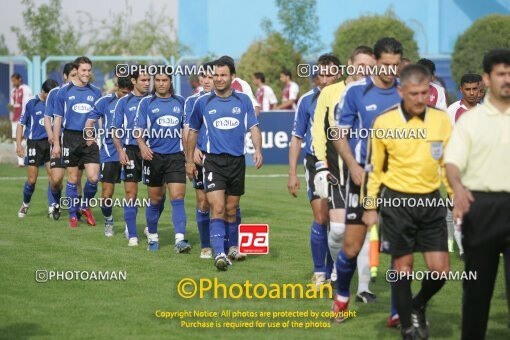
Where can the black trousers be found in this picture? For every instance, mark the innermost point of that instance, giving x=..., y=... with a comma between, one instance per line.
x=486, y=234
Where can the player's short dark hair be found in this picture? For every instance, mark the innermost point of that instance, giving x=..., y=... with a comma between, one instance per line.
x=81, y=60
x=17, y=76
x=226, y=61
x=136, y=73
x=470, y=78
x=362, y=49
x=208, y=66
x=68, y=67
x=48, y=85
x=429, y=64
x=260, y=76
x=327, y=59
x=415, y=73
x=495, y=57
x=286, y=72
x=125, y=83
x=387, y=45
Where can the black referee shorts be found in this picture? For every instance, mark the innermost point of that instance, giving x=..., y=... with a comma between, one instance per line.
x=407, y=229
x=224, y=172
x=38, y=152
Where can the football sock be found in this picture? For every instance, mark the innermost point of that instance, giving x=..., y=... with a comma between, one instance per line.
x=345, y=268
x=203, y=228
x=319, y=246
x=28, y=190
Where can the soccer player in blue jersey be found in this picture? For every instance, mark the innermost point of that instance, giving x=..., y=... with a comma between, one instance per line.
x=104, y=109
x=227, y=115
x=128, y=150
x=303, y=120
x=38, y=148
x=72, y=105
x=161, y=118
x=56, y=165
x=361, y=103
x=202, y=206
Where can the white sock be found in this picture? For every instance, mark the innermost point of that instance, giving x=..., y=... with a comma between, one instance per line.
x=335, y=238
x=449, y=223
x=458, y=238
x=363, y=263
x=179, y=237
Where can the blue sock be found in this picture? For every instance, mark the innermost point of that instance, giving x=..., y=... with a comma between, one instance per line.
x=226, y=237
x=130, y=212
x=319, y=245
x=73, y=195
x=57, y=195
x=162, y=205
x=152, y=217
x=392, y=295
x=179, y=216
x=329, y=264
x=345, y=270
x=238, y=215
x=107, y=211
x=28, y=190
x=51, y=200
x=203, y=228
x=218, y=235
x=89, y=191
x=233, y=238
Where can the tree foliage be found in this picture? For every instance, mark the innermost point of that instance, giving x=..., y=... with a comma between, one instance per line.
x=46, y=31
x=366, y=30
x=490, y=32
x=269, y=56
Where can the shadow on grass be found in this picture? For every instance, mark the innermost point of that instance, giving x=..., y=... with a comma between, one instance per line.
x=22, y=330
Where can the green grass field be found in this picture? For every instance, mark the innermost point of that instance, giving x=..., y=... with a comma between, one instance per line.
x=126, y=309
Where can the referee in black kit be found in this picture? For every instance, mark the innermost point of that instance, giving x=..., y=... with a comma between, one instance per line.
x=477, y=161
x=404, y=156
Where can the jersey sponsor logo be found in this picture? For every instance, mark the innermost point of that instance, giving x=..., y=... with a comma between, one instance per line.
x=90, y=98
x=41, y=121
x=211, y=112
x=236, y=110
x=372, y=107
x=436, y=150
x=226, y=123
x=167, y=121
x=177, y=109
x=82, y=108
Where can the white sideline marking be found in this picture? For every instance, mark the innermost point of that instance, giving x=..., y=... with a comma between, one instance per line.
x=249, y=175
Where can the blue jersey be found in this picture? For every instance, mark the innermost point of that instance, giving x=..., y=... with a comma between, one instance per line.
x=226, y=121
x=50, y=102
x=188, y=109
x=104, y=108
x=33, y=119
x=303, y=118
x=74, y=103
x=125, y=113
x=163, y=120
x=361, y=103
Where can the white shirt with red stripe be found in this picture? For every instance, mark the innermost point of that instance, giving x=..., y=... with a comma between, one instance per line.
x=437, y=97
x=291, y=92
x=242, y=86
x=266, y=97
x=456, y=110
x=18, y=99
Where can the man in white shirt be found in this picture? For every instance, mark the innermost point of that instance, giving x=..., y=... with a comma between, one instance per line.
x=290, y=91
x=265, y=94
